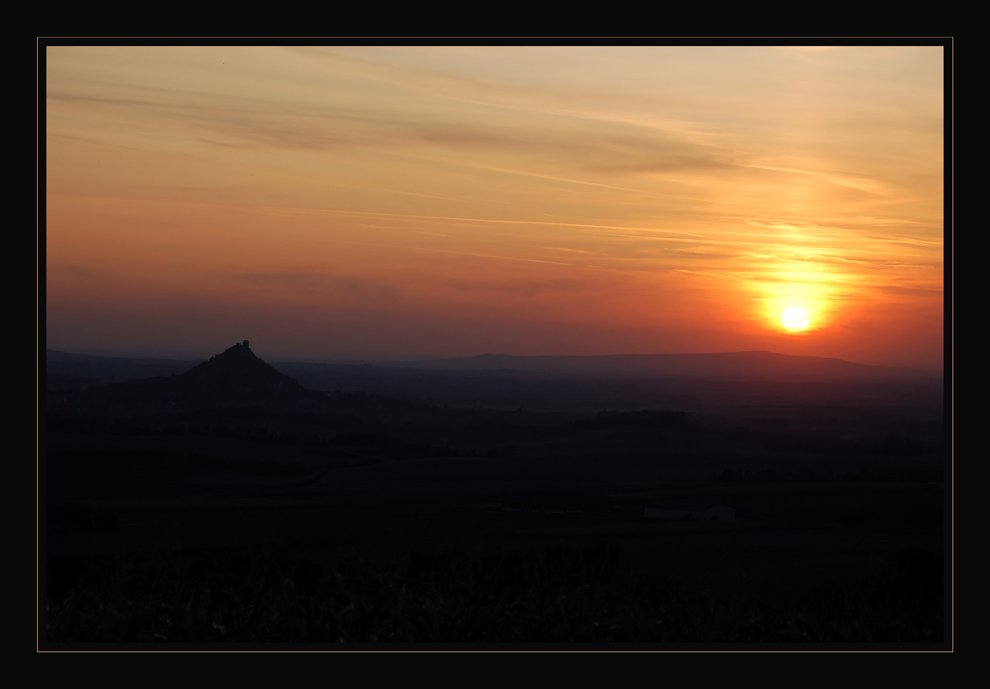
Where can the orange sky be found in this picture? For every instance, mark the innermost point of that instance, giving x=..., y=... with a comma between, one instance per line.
x=371, y=203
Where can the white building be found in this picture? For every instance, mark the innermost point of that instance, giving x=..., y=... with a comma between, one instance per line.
x=681, y=509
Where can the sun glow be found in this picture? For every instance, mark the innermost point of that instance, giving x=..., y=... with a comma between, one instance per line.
x=391, y=202
x=796, y=308
x=795, y=318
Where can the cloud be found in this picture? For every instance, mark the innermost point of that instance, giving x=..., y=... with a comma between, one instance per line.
x=909, y=291
x=306, y=123
x=347, y=286
x=526, y=289
x=287, y=279
x=79, y=271
x=607, y=148
x=717, y=275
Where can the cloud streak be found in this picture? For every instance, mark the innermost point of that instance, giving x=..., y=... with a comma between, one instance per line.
x=612, y=186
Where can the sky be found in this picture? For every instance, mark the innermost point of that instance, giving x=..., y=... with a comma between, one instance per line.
x=397, y=203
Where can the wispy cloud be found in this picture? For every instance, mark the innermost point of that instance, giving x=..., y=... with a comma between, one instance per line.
x=496, y=181
x=316, y=282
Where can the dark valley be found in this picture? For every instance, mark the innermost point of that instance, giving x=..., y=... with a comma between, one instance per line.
x=824, y=482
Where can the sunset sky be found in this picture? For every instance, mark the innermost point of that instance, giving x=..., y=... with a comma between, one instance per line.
x=376, y=203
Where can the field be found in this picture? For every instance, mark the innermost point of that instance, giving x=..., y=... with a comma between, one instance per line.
x=826, y=499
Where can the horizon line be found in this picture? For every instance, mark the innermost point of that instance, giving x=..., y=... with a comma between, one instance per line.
x=348, y=361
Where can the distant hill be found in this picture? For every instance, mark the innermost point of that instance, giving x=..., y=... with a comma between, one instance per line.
x=105, y=369
x=671, y=381
x=757, y=365
x=234, y=377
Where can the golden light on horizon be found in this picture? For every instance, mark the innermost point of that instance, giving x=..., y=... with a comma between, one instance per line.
x=795, y=319
x=802, y=307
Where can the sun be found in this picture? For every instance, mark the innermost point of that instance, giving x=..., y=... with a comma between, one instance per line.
x=795, y=318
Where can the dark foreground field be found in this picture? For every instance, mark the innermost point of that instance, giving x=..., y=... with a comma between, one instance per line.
x=350, y=517
x=551, y=595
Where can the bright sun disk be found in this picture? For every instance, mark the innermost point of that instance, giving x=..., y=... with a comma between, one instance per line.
x=795, y=318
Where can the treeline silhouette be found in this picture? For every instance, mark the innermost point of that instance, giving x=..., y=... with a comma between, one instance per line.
x=639, y=419
x=549, y=595
x=808, y=476
x=184, y=461
x=328, y=428
x=229, y=423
